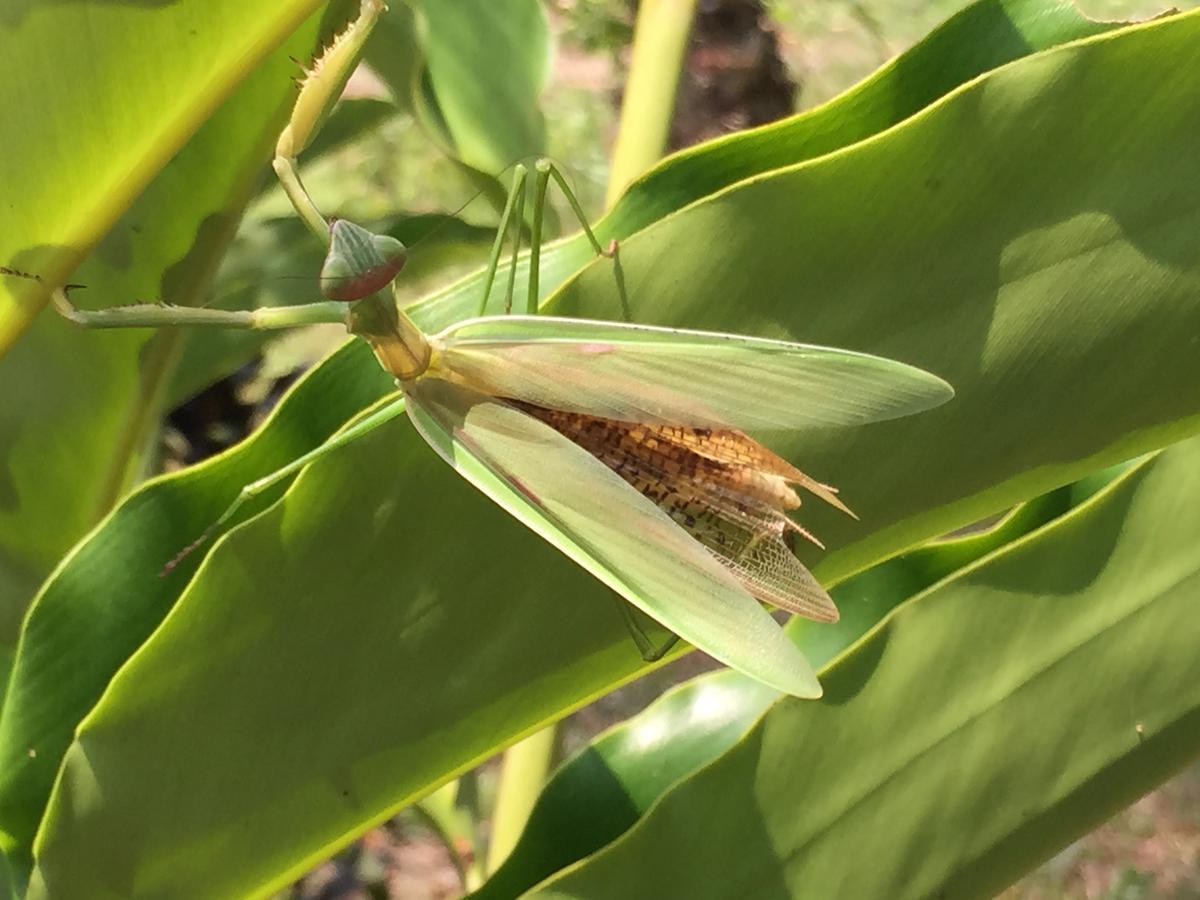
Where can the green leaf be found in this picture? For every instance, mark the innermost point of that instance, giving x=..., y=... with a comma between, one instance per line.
x=1047, y=686
x=602, y=791
x=59, y=674
x=8, y=882
x=487, y=63
x=99, y=97
x=997, y=240
x=394, y=53
x=605, y=789
x=393, y=603
x=979, y=38
x=472, y=73
x=984, y=36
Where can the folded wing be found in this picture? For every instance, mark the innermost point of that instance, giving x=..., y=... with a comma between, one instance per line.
x=588, y=512
x=675, y=377
x=721, y=492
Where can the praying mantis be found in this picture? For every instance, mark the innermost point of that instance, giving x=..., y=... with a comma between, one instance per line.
x=623, y=445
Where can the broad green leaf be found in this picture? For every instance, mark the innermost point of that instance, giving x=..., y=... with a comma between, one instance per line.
x=471, y=72
x=606, y=788
x=486, y=65
x=981, y=37
x=419, y=582
x=8, y=882
x=394, y=53
x=603, y=790
x=1047, y=686
x=98, y=98
x=984, y=36
x=980, y=241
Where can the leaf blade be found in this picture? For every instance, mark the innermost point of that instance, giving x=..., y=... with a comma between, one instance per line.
x=1078, y=620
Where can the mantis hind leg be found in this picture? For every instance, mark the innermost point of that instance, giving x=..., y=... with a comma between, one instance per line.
x=646, y=646
x=379, y=416
x=544, y=171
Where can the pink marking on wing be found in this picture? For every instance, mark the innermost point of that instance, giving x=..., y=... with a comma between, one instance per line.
x=596, y=348
x=524, y=489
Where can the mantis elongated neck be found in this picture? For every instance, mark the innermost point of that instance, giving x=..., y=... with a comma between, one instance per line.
x=400, y=346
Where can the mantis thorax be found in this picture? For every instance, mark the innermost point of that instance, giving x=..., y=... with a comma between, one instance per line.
x=400, y=346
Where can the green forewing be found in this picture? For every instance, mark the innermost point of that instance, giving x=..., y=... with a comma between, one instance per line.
x=672, y=376
x=588, y=512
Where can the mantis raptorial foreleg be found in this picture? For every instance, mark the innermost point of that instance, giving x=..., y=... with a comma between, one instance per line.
x=159, y=315
x=358, y=262
x=358, y=266
x=319, y=91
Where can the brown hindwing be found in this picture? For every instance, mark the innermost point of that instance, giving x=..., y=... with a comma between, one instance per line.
x=724, y=488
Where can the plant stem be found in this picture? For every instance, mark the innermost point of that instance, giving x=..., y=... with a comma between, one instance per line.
x=659, y=42
x=522, y=775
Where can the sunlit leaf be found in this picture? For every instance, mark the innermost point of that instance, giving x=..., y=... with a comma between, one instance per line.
x=977, y=240
x=1078, y=623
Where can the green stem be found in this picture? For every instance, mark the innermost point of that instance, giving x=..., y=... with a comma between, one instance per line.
x=659, y=42
x=450, y=815
x=522, y=775
x=141, y=423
